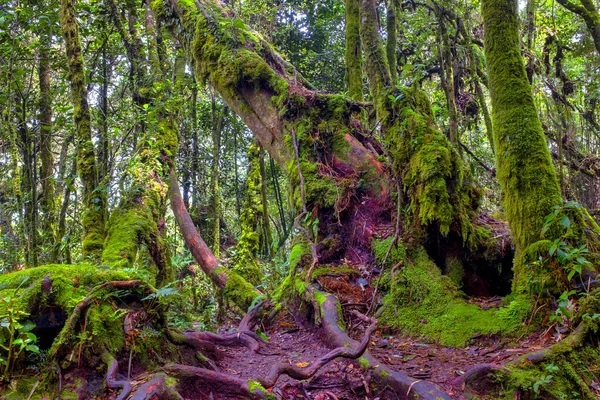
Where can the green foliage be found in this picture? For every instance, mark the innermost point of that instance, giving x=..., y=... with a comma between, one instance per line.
x=553, y=265
x=15, y=336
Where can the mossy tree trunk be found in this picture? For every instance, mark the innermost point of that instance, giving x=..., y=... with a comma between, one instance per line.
x=447, y=74
x=354, y=68
x=218, y=120
x=392, y=38
x=47, y=199
x=525, y=171
x=28, y=184
x=139, y=217
x=94, y=196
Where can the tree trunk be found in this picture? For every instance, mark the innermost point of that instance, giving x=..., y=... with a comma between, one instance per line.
x=525, y=170
x=94, y=196
x=588, y=11
x=354, y=68
x=215, y=217
x=392, y=41
x=47, y=200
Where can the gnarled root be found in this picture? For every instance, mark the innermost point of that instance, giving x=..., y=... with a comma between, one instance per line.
x=79, y=309
x=111, y=376
x=285, y=368
x=227, y=383
x=477, y=372
x=222, y=382
x=156, y=389
x=487, y=375
x=404, y=386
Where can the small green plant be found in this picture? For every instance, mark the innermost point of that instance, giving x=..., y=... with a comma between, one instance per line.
x=15, y=337
x=545, y=379
x=565, y=311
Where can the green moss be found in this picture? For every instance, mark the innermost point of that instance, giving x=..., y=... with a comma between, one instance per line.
x=524, y=167
x=567, y=376
x=421, y=301
x=333, y=270
x=245, y=261
x=438, y=185
x=364, y=363
x=139, y=217
x=354, y=68
x=257, y=389
x=239, y=291
x=381, y=247
x=455, y=271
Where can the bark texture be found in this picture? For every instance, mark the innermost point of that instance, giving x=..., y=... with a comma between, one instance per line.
x=525, y=171
x=94, y=198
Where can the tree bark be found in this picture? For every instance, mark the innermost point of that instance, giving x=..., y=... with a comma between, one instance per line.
x=354, y=68
x=525, y=170
x=47, y=200
x=94, y=197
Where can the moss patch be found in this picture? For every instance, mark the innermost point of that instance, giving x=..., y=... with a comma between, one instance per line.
x=421, y=301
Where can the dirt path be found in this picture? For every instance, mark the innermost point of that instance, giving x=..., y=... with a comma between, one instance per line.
x=344, y=379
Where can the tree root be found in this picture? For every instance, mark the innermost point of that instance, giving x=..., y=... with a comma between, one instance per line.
x=79, y=309
x=246, y=338
x=111, y=376
x=575, y=339
x=295, y=372
x=238, y=386
x=156, y=389
x=568, y=344
x=404, y=386
x=250, y=320
x=477, y=372
x=222, y=382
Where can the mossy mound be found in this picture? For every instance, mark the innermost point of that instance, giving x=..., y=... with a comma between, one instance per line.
x=420, y=301
x=57, y=284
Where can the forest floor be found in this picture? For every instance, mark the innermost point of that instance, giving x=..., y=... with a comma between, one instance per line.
x=345, y=379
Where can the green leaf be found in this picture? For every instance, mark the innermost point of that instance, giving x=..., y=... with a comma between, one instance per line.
x=31, y=338
x=27, y=326
x=33, y=348
x=566, y=222
x=238, y=24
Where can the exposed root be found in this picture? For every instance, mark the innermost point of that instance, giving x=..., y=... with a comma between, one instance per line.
x=246, y=338
x=111, y=377
x=285, y=368
x=477, y=372
x=84, y=304
x=227, y=383
x=404, y=386
x=575, y=339
x=155, y=388
x=250, y=320
x=222, y=382
x=486, y=374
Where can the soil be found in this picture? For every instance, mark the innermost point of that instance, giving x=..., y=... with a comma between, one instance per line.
x=344, y=379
